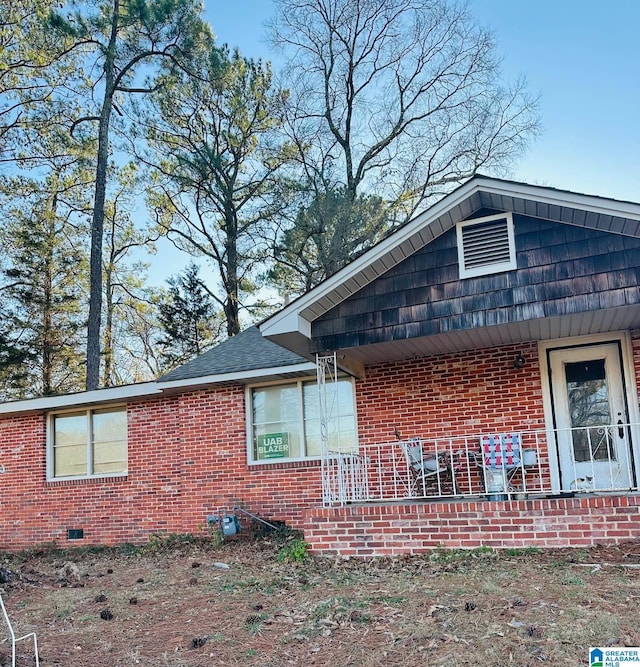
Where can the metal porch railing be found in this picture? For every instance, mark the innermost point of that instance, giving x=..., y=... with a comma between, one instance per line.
x=597, y=459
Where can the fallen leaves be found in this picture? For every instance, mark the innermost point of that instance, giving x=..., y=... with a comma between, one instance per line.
x=248, y=609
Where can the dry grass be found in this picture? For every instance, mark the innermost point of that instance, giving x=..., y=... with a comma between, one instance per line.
x=172, y=605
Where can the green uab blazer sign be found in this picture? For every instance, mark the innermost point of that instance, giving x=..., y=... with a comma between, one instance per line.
x=273, y=446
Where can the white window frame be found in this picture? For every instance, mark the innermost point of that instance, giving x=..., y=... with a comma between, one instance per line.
x=299, y=382
x=89, y=411
x=487, y=269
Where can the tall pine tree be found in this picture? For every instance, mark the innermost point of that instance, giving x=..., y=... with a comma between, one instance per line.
x=188, y=318
x=125, y=42
x=43, y=291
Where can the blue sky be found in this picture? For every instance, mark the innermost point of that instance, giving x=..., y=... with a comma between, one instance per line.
x=582, y=57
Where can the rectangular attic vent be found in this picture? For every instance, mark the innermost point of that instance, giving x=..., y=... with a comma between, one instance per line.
x=486, y=245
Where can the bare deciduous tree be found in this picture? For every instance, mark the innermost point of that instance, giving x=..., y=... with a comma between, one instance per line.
x=401, y=99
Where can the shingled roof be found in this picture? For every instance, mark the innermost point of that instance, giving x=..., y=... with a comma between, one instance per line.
x=248, y=351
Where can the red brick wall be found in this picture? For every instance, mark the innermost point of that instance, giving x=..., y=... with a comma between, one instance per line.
x=451, y=395
x=381, y=530
x=188, y=452
x=187, y=459
x=215, y=470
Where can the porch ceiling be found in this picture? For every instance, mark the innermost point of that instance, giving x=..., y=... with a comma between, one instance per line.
x=549, y=328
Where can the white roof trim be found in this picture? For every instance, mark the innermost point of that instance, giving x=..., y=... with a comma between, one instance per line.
x=108, y=395
x=555, y=197
x=143, y=390
x=238, y=376
x=282, y=320
x=289, y=319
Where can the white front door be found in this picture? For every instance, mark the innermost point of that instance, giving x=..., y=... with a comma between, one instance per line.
x=591, y=418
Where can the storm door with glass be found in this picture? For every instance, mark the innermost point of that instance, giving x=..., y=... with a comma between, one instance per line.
x=591, y=418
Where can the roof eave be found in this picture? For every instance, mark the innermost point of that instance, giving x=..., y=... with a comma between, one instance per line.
x=81, y=399
x=242, y=377
x=290, y=319
x=293, y=322
x=128, y=393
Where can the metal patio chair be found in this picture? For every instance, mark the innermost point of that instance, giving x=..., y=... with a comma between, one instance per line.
x=14, y=640
x=423, y=472
x=500, y=458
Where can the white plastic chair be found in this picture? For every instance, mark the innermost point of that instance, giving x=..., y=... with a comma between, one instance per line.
x=15, y=640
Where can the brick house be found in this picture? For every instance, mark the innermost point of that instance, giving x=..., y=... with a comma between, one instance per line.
x=471, y=380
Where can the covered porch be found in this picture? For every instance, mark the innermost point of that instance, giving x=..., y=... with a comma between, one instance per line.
x=518, y=465
x=564, y=474
x=553, y=418
x=455, y=333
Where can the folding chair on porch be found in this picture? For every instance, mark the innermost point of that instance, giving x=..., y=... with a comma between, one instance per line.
x=14, y=640
x=423, y=472
x=500, y=459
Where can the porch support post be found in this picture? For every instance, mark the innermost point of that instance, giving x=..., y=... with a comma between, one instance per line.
x=327, y=377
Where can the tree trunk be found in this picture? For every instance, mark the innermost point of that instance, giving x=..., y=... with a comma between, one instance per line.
x=108, y=331
x=97, y=225
x=231, y=305
x=48, y=335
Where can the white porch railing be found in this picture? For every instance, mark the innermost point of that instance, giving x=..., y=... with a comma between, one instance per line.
x=598, y=459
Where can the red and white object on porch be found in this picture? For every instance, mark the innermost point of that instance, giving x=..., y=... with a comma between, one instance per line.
x=500, y=455
x=501, y=451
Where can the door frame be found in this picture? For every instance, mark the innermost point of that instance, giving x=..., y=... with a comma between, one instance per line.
x=630, y=391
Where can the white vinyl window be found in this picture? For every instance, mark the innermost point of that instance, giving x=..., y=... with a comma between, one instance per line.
x=284, y=420
x=486, y=245
x=88, y=443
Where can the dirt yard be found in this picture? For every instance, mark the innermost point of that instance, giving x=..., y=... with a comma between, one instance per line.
x=177, y=603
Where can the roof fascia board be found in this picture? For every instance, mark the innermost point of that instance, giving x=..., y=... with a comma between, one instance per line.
x=281, y=321
x=125, y=392
x=291, y=320
x=551, y=196
x=108, y=395
x=285, y=320
x=238, y=376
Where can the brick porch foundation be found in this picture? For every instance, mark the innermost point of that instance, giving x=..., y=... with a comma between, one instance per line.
x=410, y=528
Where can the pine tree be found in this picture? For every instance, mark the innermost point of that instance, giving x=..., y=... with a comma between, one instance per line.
x=218, y=153
x=32, y=67
x=43, y=290
x=122, y=41
x=188, y=318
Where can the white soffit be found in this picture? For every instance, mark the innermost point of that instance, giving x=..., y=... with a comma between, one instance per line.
x=548, y=328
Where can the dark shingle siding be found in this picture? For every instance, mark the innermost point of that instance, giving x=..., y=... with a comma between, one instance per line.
x=562, y=269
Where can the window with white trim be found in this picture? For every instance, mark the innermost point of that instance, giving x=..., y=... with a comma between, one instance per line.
x=88, y=443
x=284, y=420
x=486, y=245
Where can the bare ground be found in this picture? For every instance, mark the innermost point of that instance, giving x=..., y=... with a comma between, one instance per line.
x=182, y=603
